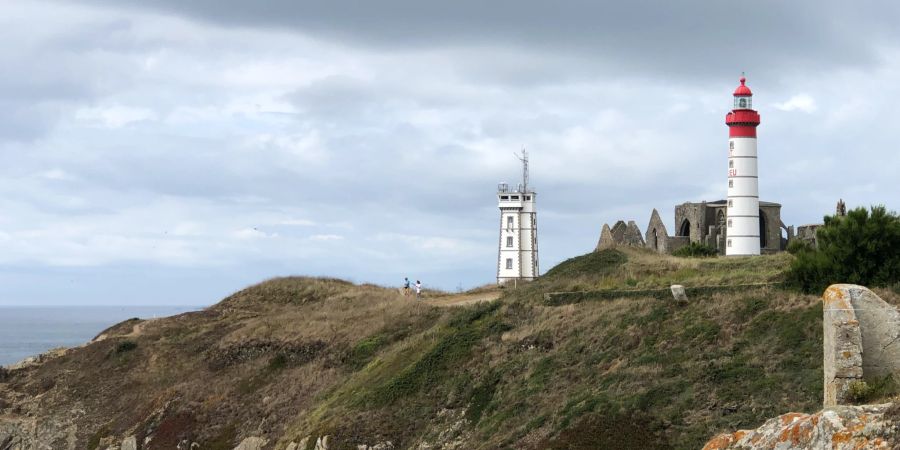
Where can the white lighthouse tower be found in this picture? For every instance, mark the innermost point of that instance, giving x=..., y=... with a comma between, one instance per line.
x=742, y=232
x=518, y=253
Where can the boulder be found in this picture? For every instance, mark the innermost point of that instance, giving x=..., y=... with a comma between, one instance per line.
x=678, y=293
x=252, y=443
x=840, y=428
x=129, y=443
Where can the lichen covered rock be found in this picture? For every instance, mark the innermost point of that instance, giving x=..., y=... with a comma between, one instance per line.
x=840, y=428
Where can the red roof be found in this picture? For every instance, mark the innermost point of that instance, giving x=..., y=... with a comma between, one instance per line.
x=742, y=89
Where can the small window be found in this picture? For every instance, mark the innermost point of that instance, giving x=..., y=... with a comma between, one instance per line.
x=730, y=203
x=731, y=145
x=509, y=263
x=509, y=241
x=515, y=197
x=729, y=223
x=509, y=221
x=729, y=242
x=504, y=197
x=731, y=164
x=730, y=183
x=527, y=197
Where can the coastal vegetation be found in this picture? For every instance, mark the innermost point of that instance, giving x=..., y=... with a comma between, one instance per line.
x=294, y=358
x=862, y=247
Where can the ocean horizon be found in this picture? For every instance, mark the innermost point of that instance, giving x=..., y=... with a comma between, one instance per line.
x=30, y=330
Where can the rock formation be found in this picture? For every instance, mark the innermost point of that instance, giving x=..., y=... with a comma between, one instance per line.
x=841, y=428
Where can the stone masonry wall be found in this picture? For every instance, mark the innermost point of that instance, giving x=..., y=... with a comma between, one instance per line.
x=862, y=339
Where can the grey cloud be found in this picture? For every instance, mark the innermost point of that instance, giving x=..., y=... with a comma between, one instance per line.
x=696, y=38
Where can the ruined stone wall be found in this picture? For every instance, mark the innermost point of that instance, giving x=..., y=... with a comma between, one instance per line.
x=695, y=214
x=657, y=238
x=862, y=339
x=606, y=239
x=807, y=233
x=773, y=228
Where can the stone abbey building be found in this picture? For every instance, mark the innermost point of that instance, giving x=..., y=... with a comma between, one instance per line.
x=739, y=225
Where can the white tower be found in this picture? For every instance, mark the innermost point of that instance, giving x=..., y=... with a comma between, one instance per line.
x=742, y=232
x=518, y=253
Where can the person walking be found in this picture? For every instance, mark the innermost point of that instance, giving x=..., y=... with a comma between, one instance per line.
x=405, y=287
x=418, y=289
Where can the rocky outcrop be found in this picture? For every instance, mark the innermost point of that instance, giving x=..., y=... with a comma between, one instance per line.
x=30, y=434
x=252, y=443
x=840, y=428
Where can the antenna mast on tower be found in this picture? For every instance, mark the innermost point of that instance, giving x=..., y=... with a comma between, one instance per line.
x=524, y=159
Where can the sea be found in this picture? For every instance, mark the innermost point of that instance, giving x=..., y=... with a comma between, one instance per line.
x=28, y=331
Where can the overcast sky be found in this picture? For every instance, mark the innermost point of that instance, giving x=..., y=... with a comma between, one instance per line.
x=172, y=152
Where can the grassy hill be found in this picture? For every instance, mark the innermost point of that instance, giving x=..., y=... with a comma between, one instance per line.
x=299, y=357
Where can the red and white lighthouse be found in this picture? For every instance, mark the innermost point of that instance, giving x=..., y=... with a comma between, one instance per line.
x=742, y=234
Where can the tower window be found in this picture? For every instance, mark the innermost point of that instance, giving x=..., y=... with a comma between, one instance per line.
x=729, y=223
x=509, y=241
x=509, y=221
x=731, y=145
x=731, y=183
x=731, y=164
x=527, y=197
x=729, y=242
x=509, y=263
x=730, y=203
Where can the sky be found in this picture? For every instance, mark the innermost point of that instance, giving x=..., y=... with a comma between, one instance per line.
x=171, y=152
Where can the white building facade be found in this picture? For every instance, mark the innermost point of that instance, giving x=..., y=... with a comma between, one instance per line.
x=518, y=249
x=743, y=224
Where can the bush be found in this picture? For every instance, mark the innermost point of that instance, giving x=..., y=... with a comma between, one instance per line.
x=862, y=247
x=126, y=346
x=858, y=391
x=696, y=249
x=797, y=246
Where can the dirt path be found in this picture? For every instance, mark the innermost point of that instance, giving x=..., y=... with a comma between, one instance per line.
x=463, y=299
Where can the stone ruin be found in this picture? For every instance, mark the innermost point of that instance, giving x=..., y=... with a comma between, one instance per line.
x=862, y=340
x=706, y=223
x=620, y=235
x=862, y=343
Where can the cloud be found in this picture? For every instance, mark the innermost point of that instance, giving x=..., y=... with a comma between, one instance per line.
x=236, y=142
x=799, y=102
x=114, y=116
x=326, y=237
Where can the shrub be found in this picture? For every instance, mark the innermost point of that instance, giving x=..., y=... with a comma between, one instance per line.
x=862, y=247
x=799, y=246
x=696, y=249
x=126, y=346
x=858, y=391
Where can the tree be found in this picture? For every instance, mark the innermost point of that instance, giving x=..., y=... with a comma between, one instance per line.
x=862, y=247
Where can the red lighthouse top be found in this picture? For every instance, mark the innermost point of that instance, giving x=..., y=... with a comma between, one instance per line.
x=742, y=89
x=742, y=120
